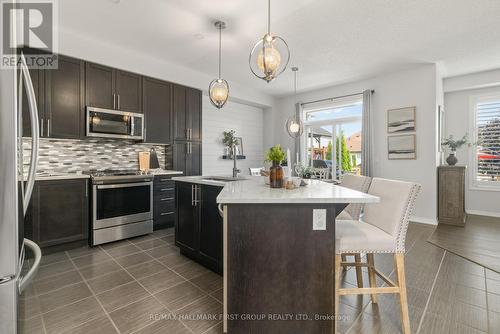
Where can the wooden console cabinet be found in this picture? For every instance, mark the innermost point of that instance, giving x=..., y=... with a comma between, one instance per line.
x=451, y=195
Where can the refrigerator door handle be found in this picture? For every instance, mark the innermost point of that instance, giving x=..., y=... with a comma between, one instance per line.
x=28, y=83
x=26, y=280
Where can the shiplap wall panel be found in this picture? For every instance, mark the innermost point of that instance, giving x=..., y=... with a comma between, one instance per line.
x=247, y=121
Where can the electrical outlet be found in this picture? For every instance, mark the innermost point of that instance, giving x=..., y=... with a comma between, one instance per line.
x=319, y=219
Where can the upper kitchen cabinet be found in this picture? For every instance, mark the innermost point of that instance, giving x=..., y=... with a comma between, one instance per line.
x=37, y=80
x=128, y=90
x=157, y=107
x=64, y=104
x=110, y=88
x=187, y=113
x=99, y=85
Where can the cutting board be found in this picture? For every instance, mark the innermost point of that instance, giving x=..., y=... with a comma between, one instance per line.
x=144, y=161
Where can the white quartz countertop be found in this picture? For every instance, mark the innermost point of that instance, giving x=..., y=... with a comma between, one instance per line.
x=200, y=180
x=255, y=191
x=60, y=176
x=164, y=172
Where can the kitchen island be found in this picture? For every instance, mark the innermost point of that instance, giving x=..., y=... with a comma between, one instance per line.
x=278, y=255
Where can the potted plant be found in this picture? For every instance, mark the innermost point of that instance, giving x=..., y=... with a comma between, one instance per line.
x=454, y=145
x=275, y=155
x=304, y=172
x=230, y=141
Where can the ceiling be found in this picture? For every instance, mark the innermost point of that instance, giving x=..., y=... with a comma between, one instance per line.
x=331, y=41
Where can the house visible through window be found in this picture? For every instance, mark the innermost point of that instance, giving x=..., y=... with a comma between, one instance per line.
x=333, y=137
x=486, y=159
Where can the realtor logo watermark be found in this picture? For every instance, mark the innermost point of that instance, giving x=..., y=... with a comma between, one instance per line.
x=32, y=26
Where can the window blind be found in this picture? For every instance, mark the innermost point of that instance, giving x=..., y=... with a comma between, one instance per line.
x=488, y=138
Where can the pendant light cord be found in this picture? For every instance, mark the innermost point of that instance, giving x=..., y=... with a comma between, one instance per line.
x=269, y=17
x=220, y=47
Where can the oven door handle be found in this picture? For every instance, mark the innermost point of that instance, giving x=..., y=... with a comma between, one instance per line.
x=124, y=185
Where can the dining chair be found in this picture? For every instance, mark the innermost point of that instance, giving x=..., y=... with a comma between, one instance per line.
x=382, y=230
x=255, y=171
x=353, y=212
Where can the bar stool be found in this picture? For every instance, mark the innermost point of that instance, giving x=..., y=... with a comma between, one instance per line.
x=353, y=211
x=382, y=230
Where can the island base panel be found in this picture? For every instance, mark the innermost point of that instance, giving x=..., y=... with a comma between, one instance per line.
x=280, y=272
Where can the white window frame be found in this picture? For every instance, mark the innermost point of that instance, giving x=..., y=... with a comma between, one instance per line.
x=474, y=183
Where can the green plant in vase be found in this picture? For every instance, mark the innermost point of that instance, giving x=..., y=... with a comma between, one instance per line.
x=276, y=155
x=454, y=144
x=229, y=140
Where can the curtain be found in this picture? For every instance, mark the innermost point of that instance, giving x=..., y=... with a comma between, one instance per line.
x=367, y=134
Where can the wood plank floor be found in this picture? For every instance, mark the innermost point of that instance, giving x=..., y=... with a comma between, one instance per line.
x=123, y=287
x=478, y=241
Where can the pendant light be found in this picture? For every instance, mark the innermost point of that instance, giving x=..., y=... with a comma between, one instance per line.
x=218, y=90
x=270, y=55
x=294, y=125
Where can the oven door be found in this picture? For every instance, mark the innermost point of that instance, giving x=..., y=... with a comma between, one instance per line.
x=114, y=124
x=119, y=204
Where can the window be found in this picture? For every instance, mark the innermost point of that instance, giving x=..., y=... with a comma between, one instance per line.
x=332, y=137
x=486, y=133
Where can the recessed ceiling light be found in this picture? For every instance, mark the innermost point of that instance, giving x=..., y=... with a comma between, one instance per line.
x=199, y=36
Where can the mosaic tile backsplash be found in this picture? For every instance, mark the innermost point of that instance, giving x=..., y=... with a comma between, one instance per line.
x=71, y=156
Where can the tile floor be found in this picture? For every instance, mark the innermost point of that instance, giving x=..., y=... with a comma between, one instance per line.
x=143, y=285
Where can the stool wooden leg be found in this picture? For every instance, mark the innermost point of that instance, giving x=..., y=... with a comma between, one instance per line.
x=359, y=272
x=400, y=270
x=371, y=275
x=338, y=259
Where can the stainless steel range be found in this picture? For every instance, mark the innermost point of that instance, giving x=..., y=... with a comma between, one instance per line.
x=122, y=205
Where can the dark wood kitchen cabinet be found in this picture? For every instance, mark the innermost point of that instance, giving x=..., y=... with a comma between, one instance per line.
x=59, y=94
x=157, y=107
x=163, y=202
x=64, y=104
x=187, y=113
x=58, y=212
x=110, y=88
x=198, y=228
x=187, y=157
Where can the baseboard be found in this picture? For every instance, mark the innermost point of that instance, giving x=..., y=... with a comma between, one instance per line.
x=483, y=213
x=422, y=220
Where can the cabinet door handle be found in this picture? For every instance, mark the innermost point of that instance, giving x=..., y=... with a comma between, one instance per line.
x=166, y=189
x=114, y=101
x=166, y=213
x=86, y=189
x=166, y=199
x=118, y=100
x=48, y=127
x=192, y=195
x=196, y=195
x=41, y=126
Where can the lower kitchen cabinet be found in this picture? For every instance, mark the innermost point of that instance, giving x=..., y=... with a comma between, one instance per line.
x=198, y=228
x=163, y=202
x=58, y=212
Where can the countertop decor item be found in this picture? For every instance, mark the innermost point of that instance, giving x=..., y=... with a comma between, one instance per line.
x=303, y=171
x=276, y=155
x=229, y=141
x=294, y=125
x=454, y=145
x=270, y=55
x=218, y=90
x=153, y=159
x=144, y=161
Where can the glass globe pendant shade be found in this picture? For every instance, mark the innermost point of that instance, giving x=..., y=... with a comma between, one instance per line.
x=269, y=57
x=294, y=127
x=218, y=92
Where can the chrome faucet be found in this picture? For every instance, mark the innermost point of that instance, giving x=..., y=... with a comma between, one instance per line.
x=235, y=170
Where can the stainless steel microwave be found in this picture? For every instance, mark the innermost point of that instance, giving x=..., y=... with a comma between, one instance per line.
x=114, y=124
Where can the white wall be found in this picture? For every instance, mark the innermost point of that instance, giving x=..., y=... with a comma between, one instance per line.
x=457, y=123
x=415, y=87
x=247, y=121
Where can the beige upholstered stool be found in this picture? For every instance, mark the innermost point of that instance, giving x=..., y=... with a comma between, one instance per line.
x=353, y=211
x=382, y=230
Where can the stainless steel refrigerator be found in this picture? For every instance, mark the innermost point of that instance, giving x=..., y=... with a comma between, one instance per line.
x=15, y=191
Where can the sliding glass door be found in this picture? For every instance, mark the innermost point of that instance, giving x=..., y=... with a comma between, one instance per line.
x=332, y=139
